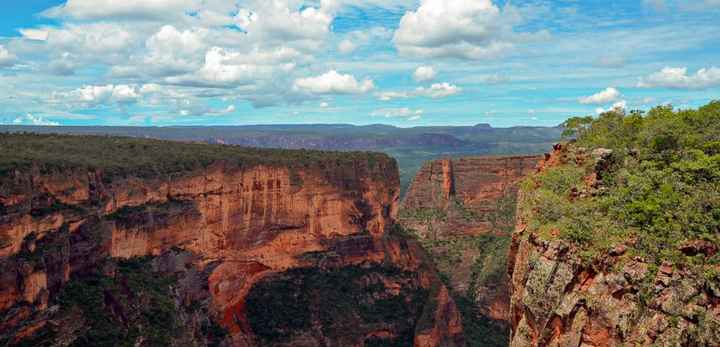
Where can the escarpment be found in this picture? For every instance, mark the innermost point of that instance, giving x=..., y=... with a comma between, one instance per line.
x=211, y=246
x=570, y=288
x=463, y=211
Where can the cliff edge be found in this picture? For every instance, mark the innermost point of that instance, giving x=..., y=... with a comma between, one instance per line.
x=109, y=240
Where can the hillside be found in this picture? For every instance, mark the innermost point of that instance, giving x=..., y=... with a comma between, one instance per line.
x=410, y=146
x=618, y=235
x=111, y=241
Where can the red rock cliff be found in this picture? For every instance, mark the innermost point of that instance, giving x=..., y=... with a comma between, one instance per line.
x=619, y=300
x=465, y=203
x=241, y=225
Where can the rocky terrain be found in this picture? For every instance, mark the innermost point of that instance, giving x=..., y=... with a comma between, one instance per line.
x=279, y=248
x=463, y=211
x=566, y=293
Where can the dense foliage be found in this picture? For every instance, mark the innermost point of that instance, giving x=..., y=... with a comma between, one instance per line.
x=122, y=156
x=340, y=302
x=659, y=189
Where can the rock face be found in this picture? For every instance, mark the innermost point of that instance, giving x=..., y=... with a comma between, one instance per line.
x=466, y=201
x=475, y=184
x=221, y=234
x=619, y=300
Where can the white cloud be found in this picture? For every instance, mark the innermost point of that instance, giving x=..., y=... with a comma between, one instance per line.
x=424, y=73
x=457, y=29
x=404, y=112
x=30, y=119
x=172, y=51
x=126, y=9
x=603, y=97
x=334, y=83
x=435, y=91
x=670, y=77
x=619, y=106
x=346, y=47
x=6, y=58
x=34, y=34
x=277, y=21
x=388, y=96
x=438, y=90
x=324, y=105
x=105, y=94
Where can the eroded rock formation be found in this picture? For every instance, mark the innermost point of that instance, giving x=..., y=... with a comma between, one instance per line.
x=463, y=212
x=218, y=234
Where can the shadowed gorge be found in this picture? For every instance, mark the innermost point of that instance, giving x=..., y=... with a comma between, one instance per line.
x=129, y=255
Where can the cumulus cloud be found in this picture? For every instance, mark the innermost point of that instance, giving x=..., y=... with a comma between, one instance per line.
x=30, y=119
x=104, y=94
x=671, y=77
x=333, y=82
x=171, y=51
x=603, y=97
x=424, y=73
x=275, y=21
x=6, y=58
x=457, y=29
x=404, y=112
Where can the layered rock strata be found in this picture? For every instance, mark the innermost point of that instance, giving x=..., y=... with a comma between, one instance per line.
x=219, y=233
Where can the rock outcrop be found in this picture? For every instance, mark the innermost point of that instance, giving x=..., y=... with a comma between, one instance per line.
x=474, y=184
x=616, y=299
x=219, y=233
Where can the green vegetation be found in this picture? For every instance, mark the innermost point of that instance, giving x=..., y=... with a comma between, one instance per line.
x=135, y=157
x=660, y=187
x=340, y=301
x=119, y=310
x=120, y=303
x=485, y=255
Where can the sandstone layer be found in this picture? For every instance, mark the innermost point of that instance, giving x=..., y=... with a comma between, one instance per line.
x=218, y=232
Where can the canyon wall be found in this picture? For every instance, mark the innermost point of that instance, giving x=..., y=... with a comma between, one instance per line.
x=617, y=298
x=235, y=243
x=463, y=211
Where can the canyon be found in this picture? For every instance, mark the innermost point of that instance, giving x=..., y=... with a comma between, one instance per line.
x=235, y=254
x=463, y=212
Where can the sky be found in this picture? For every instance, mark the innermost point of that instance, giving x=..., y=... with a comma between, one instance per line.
x=400, y=62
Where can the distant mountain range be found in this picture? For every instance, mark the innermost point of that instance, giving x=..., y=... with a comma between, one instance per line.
x=410, y=146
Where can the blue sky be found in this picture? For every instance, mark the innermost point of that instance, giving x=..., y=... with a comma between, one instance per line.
x=400, y=62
